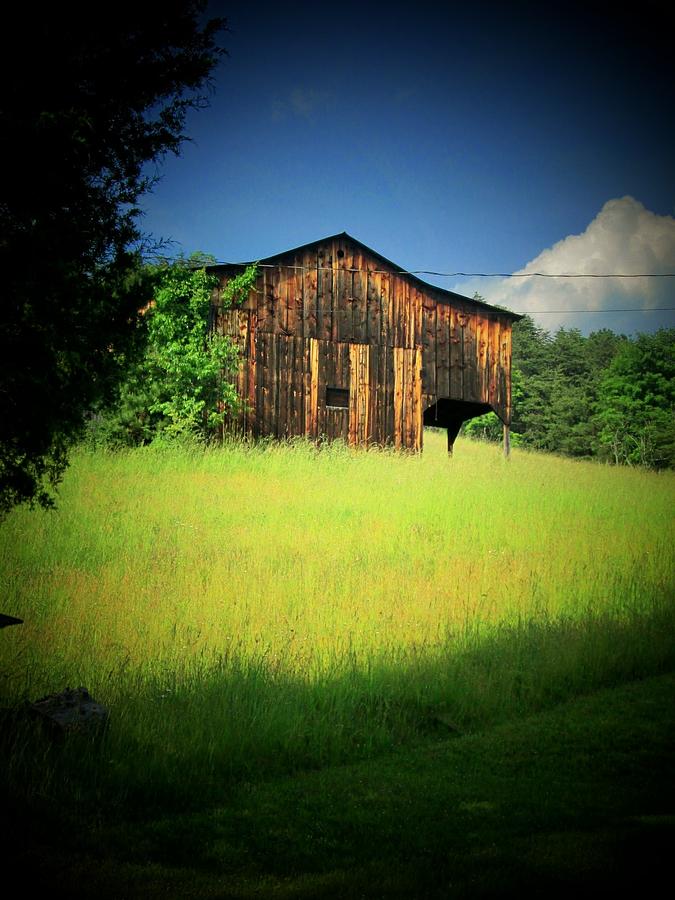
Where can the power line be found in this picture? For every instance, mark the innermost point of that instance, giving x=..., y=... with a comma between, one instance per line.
x=545, y=274
x=542, y=312
x=644, y=309
x=455, y=274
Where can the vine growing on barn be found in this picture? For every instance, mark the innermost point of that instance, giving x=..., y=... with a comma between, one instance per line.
x=184, y=386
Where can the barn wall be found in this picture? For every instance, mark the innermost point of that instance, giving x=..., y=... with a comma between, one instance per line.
x=284, y=383
x=307, y=324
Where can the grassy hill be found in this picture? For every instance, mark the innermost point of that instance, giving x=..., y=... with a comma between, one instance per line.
x=276, y=622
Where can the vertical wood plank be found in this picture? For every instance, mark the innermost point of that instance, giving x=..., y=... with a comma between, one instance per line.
x=251, y=374
x=443, y=350
x=359, y=394
x=342, y=298
x=278, y=303
x=353, y=394
x=324, y=350
x=309, y=296
x=291, y=295
x=360, y=299
x=417, y=337
x=360, y=411
x=396, y=325
x=482, y=340
x=456, y=353
x=267, y=384
x=256, y=418
x=297, y=420
x=274, y=376
x=327, y=352
x=343, y=381
x=372, y=436
x=373, y=307
x=323, y=295
x=266, y=302
x=385, y=310
x=285, y=375
x=377, y=376
x=306, y=387
x=334, y=291
x=398, y=395
x=407, y=315
x=314, y=388
x=282, y=386
x=390, y=392
x=377, y=405
x=418, y=420
x=429, y=345
x=364, y=350
x=406, y=412
x=470, y=358
x=411, y=396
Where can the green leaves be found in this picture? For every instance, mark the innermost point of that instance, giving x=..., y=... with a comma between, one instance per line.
x=183, y=388
x=636, y=403
x=192, y=366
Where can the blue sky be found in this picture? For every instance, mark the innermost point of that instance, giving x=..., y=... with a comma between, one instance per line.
x=446, y=139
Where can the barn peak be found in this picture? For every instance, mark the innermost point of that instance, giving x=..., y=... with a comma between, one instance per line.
x=385, y=266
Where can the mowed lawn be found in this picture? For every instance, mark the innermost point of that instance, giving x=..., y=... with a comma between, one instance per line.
x=256, y=612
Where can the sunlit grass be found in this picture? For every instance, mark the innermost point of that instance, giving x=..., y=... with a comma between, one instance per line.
x=255, y=609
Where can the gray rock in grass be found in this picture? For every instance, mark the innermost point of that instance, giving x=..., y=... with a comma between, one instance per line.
x=73, y=711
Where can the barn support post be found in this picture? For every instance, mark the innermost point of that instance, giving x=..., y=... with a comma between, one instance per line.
x=453, y=430
x=507, y=441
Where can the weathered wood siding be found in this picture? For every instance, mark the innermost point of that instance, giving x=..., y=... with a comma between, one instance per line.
x=332, y=315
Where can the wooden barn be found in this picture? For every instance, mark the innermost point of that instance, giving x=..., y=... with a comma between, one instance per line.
x=338, y=342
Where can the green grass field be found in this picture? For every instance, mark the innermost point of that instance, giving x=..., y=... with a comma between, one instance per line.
x=251, y=613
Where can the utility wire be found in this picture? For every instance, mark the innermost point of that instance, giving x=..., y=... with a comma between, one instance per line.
x=544, y=274
x=538, y=312
x=644, y=309
x=457, y=274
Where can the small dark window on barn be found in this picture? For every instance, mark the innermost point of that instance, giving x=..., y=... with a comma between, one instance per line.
x=337, y=397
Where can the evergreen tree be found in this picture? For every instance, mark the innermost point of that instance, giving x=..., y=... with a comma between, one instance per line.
x=88, y=101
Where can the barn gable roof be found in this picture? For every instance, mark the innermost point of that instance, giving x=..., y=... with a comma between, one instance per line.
x=444, y=294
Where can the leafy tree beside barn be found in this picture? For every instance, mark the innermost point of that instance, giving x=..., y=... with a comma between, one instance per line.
x=183, y=386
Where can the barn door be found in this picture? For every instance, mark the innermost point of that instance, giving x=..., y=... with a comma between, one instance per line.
x=327, y=404
x=408, y=412
x=365, y=393
x=361, y=418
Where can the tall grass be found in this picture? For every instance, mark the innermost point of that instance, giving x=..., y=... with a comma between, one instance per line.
x=254, y=609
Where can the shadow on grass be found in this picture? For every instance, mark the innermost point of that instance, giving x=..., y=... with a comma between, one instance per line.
x=244, y=720
x=577, y=799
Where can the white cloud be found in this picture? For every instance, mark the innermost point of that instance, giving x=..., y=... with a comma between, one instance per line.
x=624, y=237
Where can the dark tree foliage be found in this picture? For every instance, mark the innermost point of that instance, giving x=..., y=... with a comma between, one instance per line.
x=636, y=403
x=89, y=101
